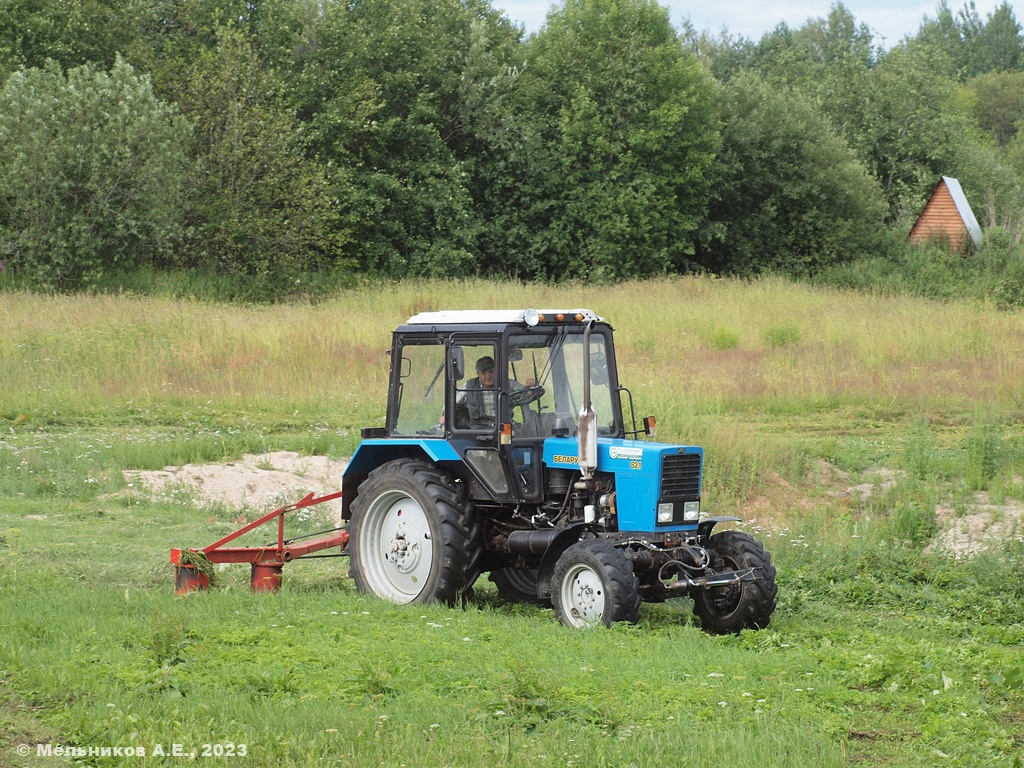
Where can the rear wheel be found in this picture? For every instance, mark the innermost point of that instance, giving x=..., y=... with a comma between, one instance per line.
x=593, y=583
x=746, y=605
x=414, y=536
x=517, y=585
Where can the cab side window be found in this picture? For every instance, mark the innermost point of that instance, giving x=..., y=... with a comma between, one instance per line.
x=420, y=389
x=476, y=393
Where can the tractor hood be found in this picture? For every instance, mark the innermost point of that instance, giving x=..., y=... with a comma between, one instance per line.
x=646, y=475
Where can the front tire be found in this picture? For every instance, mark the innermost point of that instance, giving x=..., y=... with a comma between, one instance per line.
x=593, y=583
x=747, y=605
x=414, y=538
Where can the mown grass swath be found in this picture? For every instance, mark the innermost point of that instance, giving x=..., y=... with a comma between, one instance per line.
x=882, y=650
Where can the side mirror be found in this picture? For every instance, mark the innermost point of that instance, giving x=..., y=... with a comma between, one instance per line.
x=650, y=426
x=458, y=358
x=515, y=354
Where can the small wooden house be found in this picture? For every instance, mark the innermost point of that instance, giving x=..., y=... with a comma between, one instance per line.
x=947, y=217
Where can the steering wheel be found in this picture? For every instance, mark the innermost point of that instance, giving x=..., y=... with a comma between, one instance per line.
x=525, y=396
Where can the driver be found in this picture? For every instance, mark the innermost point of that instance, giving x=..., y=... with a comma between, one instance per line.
x=479, y=398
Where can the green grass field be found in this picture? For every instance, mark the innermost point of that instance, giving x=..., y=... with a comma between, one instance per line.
x=883, y=651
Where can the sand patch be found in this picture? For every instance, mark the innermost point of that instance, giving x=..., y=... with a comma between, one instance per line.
x=880, y=481
x=961, y=533
x=983, y=525
x=259, y=482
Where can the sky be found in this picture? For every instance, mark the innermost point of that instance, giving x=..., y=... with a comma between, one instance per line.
x=890, y=20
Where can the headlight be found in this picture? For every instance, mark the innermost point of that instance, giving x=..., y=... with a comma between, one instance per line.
x=664, y=513
x=691, y=510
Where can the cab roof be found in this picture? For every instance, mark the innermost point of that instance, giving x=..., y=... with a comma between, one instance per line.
x=501, y=316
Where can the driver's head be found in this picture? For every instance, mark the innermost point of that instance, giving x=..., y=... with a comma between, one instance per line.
x=485, y=371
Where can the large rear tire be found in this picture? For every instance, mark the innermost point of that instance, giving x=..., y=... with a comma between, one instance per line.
x=414, y=538
x=593, y=583
x=517, y=585
x=747, y=605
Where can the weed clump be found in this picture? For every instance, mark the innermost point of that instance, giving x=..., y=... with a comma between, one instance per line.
x=169, y=639
x=780, y=336
x=983, y=454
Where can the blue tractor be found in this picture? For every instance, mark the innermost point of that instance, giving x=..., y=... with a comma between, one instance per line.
x=506, y=451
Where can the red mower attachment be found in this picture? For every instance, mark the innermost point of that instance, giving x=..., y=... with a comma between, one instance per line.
x=267, y=561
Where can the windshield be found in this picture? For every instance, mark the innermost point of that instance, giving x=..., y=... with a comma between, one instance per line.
x=555, y=363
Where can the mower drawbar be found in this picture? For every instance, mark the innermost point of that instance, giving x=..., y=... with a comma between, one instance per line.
x=192, y=566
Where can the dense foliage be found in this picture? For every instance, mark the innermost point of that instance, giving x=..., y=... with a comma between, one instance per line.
x=91, y=169
x=620, y=133
x=278, y=138
x=826, y=208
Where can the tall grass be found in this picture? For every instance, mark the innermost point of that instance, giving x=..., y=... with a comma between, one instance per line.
x=993, y=273
x=713, y=345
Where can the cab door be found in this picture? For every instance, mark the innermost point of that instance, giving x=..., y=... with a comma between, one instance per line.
x=475, y=412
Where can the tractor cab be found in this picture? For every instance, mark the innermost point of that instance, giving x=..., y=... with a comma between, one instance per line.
x=495, y=385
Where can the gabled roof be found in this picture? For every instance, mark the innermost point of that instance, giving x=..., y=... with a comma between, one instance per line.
x=947, y=216
x=964, y=208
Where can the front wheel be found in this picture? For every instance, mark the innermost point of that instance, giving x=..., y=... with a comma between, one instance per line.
x=414, y=537
x=746, y=605
x=593, y=583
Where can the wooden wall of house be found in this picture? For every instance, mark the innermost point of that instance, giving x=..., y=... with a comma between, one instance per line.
x=940, y=220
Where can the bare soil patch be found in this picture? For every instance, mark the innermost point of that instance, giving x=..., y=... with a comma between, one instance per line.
x=983, y=525
x=258, y=482
x=962, y=532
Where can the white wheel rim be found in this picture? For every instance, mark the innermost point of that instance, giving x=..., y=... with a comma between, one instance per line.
x=396, y=547
x=582, y=596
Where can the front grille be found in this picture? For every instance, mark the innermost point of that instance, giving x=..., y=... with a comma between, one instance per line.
x=680, y=476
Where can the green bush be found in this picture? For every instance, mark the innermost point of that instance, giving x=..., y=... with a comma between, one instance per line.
x=783, y=335
x=91, y=171
x=827, y=211
x=721, y=339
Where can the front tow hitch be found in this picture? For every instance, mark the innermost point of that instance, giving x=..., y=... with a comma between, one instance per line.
x=686, y=582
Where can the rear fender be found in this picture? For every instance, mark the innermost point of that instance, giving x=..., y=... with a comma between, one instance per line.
x=375, y=452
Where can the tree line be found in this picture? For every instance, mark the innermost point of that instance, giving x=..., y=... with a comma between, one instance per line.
x=399, y=138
